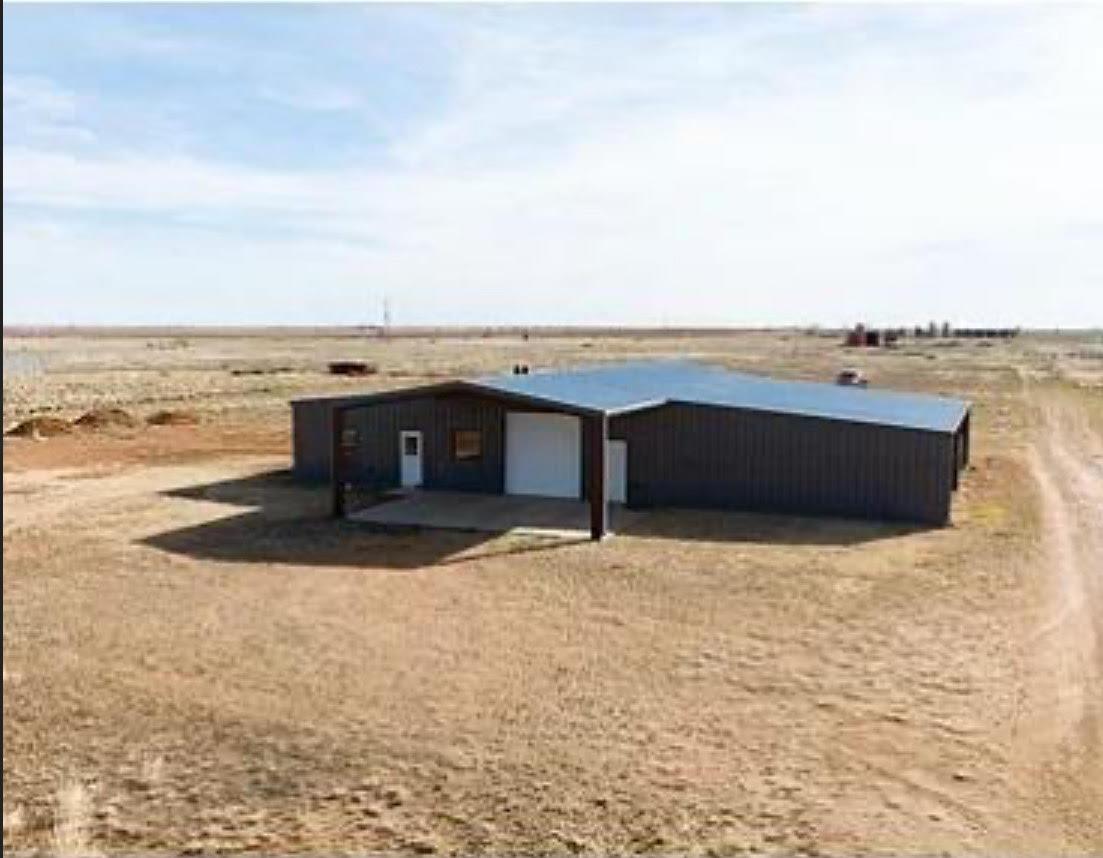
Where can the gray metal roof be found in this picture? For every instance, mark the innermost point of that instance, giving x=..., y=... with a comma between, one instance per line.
x=621, y=387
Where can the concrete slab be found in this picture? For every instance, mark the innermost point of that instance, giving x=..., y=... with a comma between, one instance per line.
x=489, y=513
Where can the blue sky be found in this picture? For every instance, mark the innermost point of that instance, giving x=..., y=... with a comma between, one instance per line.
x=557, y=164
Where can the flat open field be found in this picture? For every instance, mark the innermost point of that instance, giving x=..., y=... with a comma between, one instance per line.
x=196, y=657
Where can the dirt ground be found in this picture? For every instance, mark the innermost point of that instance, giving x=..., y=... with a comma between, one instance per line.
x=208, y=663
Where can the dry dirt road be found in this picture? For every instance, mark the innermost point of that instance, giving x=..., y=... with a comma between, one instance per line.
x=1064, y=712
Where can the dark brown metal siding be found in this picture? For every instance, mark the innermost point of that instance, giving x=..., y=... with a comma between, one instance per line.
x=700, y=456
x=678, y=455
x=374, y=460
x=311, y=435
x=310, y=440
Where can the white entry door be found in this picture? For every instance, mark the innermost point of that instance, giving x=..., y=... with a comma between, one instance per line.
x=543, y=454
x=409, y=454
x=616, y=471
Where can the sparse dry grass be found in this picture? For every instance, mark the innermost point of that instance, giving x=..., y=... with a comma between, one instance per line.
x=14, y=821
x=153, y=770
x=226, y=374
x=239, y=673
x=72, y=836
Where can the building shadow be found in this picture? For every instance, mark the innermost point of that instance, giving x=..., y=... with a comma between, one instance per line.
x=723, y=526
x=269, y=490
x=288, y=523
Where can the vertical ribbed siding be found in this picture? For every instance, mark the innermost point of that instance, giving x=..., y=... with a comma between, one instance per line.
x=701, y=456
x=310, y=440
x=374, y=460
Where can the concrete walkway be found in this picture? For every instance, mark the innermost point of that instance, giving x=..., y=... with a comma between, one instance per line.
x=489, y=513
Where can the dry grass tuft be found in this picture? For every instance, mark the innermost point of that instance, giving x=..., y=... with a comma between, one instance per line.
x=13, y=821
x=72, y=821
x=153, y=770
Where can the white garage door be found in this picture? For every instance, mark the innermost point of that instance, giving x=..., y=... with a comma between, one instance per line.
x=543, y=455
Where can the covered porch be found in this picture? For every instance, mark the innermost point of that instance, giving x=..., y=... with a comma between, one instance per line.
x=490, y=513
x=514, y=469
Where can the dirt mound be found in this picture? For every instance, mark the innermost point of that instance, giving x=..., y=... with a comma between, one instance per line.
x=40, y=427
x=105, y=418
x=173, y=418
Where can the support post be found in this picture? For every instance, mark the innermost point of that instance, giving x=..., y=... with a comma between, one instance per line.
x=965, y=438
x=336, y=486
x=598, y=431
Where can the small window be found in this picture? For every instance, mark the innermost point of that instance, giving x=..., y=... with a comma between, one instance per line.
x=467, y=444
x=348, y=437
x=409, y=445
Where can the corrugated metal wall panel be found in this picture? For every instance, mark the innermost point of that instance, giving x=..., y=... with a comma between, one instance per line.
x=700, y=456
x=374, y=460
x=310, y=441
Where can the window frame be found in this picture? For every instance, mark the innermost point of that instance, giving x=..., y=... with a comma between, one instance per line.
x=474, y=457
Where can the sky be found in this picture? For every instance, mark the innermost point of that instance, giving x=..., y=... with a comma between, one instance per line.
x=575, y=164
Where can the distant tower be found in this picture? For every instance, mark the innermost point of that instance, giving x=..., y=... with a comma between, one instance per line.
x=386, y=316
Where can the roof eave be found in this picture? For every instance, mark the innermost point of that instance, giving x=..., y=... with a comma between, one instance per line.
x=528, y=399
x=864, y=421
x=359, y=400
x=643, y=405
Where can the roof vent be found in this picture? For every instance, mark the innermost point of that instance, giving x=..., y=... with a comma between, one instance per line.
x=520, y=369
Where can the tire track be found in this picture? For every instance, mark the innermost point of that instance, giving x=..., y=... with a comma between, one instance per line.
x=1064, y=738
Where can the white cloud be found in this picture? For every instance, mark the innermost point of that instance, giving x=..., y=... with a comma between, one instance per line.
x=323, y=99
x=704, y=177
x=41, y=111
x=38, y=96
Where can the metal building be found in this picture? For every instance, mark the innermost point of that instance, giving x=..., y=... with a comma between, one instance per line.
x=647, y=434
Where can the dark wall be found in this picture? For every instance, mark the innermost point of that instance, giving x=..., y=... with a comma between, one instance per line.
x=310, y=441
x=374, y=459
x=310, y=436
x=678, y=455
x=699, y=456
